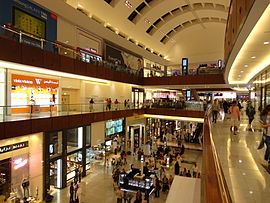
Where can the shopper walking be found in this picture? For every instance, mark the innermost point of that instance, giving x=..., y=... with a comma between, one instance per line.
x=194, y=170
x=138, y=197
x=215, y=109
x=119, y=195
x=250, y=111
x=116, y=103
x=91, y=105
x=265, y=123
x=235, y=116
x=157, y=186
x=71, y=192
x=226, y=106
x=165, y=184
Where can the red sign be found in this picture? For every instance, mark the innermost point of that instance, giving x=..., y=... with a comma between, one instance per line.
x=29, y=81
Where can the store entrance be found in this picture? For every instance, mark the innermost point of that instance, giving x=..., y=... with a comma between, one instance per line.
x=137, y=96
x=70, y=99
x=5, y=179
x=65, y=102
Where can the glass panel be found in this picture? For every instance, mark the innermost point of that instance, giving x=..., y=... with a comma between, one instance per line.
x=74, y=164
x=74, y=138
x=88, y=135
x=55, y=145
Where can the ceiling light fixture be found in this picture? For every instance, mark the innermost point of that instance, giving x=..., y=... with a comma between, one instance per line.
x=128, y=4
x=253, y=57
x=266, y=43
x=34, y=69
x=247, y=48
x=246, y=66
x=241, y=71
x=147, y=21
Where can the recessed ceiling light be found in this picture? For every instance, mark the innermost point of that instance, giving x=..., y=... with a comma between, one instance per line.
x=241, y=71
x=266, y=43
x=250, y=192
x=246, y=66
x=253, y=57
x=240, y=161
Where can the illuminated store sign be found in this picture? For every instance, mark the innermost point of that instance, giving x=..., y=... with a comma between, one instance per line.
x=19, y=163
x=184, y=66
x=29, y=81
x=12, y=147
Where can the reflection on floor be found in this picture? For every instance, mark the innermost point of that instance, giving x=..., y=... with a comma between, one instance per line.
x=98, y=186
x=247, y=180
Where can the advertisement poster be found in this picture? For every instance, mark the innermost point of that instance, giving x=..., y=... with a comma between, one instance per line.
x=122, y=58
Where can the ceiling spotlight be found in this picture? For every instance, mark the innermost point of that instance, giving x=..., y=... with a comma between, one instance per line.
x=128, y=4
x=241, y=71
x=246, y=66
x=147, y=21
x=253, y=57
x=266, y=43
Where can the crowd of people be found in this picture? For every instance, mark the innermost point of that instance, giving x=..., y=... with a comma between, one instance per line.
x=235, y=109
x=74, y=191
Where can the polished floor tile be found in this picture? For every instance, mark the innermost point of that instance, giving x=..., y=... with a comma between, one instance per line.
x=98, y=185
x=241, y=161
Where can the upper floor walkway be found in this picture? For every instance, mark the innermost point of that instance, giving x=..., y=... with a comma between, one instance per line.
x=24, y=120
x=61, y=57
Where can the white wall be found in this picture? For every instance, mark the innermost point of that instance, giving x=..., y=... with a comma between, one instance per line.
x=115, y=90
x=36, y=164
x=69, y=33
x=69, y=14
x=97, y=133
x=2, y=87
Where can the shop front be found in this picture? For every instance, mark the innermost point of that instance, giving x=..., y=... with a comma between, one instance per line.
x=67, y=154
x=33, y=94
x=262, y=89
x=21, y=168
x=135, y=134
x=137, y=96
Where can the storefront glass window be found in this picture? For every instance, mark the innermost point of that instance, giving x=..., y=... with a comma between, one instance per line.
x=55, y=145
x=2, y=87
x=74, y=138
x=56, y=173
x=88, y=135
x=74, y=162
x=5, y=178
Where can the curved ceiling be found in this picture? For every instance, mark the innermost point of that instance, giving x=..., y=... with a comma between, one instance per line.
x=165, y=27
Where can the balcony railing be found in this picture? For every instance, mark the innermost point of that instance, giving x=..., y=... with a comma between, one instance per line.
x=24, y=112
x=214, y=186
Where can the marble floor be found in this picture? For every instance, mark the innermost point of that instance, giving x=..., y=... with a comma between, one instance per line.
x=98, y=185
x=241, y=161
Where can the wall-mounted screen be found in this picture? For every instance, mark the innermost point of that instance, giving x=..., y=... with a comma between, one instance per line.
x=29, y=23
x=113, y=127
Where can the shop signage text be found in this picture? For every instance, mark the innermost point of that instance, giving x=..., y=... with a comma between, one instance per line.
x=29, y=81
x=12, y=147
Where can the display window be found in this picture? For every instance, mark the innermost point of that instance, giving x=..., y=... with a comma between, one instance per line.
x=74, y=162
x=74, y=139
x=2, y=87
x=89, y=55
x=37, y=91
x=55, y=145
x=5, y=178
